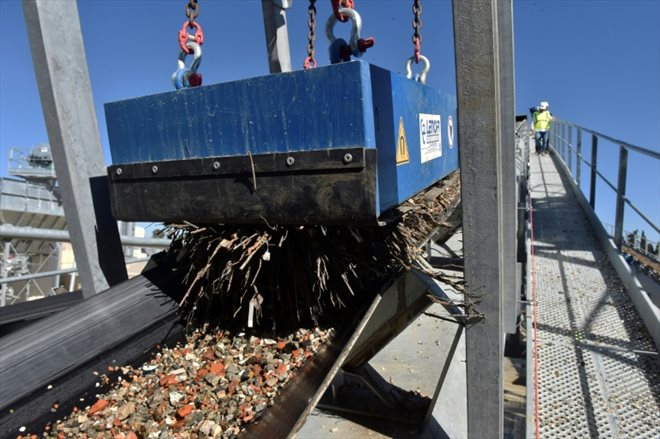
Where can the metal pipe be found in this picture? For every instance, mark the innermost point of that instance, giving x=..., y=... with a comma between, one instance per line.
x=594, y=163
x=9, y=231
x=620, y=195
x=626, y=145
x=644, y=217
x=32, y=276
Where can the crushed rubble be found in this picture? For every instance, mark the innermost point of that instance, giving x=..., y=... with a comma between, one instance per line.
x=211, y=386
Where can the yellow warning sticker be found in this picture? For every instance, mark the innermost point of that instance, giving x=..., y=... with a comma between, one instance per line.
x=402, y=155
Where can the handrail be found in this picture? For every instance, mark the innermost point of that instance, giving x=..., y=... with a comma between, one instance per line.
x=562, y=133
x=631, y=147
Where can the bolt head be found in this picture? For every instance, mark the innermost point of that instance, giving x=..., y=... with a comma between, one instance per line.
x=216, y=165
x=119, y=171
x=348, y=158
x=290, y=161
x=154, y=169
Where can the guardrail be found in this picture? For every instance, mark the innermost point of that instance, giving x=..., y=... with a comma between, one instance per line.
x=561, y=139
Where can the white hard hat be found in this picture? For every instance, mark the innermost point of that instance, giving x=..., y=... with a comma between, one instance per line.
x=544, y=105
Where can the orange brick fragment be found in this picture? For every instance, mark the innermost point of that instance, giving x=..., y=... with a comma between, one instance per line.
x=167, y=380
x=280, y=345
x=98, y=406
x=209, y=355
x=184, y=411
x=295, y=353
x=131, y=435
x=201, y=373
x=217, y=368
x=281, y=370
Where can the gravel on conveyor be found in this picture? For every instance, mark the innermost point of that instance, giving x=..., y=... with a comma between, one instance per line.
x=211, y=386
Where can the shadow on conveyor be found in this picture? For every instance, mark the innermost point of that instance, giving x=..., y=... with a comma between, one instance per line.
x=557, y=236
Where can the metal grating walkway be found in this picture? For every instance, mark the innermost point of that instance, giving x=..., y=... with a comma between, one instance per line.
x=598, y=369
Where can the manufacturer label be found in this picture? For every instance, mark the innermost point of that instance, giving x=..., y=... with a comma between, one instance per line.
x=402, y=155
x=430, y=136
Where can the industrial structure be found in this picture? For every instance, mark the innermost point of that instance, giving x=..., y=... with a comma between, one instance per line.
x=399, y=140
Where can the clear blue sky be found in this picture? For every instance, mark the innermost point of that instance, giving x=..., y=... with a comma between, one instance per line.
x=597, y=63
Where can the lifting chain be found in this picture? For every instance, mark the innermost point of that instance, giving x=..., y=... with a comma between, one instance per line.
x=417, y=43
x=190, y=44
x=310, y=61
x=192, y=11
x=417, y=25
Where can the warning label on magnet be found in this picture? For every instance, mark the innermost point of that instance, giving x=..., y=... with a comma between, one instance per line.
x=402, y=155
x=430, y=136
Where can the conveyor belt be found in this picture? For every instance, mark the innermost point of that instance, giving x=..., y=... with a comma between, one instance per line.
x=118, y=325
x=123, y=324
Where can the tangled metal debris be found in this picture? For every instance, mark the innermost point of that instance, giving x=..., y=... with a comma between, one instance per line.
x=263, y=275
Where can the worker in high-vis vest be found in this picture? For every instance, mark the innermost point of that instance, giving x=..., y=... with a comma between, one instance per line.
x=541, y=120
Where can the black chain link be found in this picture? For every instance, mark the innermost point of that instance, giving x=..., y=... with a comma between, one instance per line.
x=192, y=11
x=417, y=21
x=311, y=35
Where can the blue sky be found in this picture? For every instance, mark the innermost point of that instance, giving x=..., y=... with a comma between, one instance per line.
x=597, y=63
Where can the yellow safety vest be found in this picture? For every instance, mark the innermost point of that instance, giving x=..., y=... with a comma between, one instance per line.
x=542, y=120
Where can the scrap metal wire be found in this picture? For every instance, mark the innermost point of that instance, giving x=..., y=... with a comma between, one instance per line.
x=299, y=274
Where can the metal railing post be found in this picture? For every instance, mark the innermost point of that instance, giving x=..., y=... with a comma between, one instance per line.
x=568, y=149
x=563, y=142
x=594, y=162
x=620, y=196
x=578, y=158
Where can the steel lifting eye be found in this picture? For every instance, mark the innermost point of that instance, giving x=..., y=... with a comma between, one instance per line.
x=357, y=45
x=188, y=77
x=425, y=69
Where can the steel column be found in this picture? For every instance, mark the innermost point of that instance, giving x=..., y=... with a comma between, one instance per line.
x=569, y=145
x=4, y=272
x=578, y=159
x=479, y=87
x=277, y=34
x=507, y=165
x=66, y=99
x=620, y=196
x=594, y=164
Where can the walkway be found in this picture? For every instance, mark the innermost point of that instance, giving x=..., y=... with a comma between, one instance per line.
x=599, y=371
